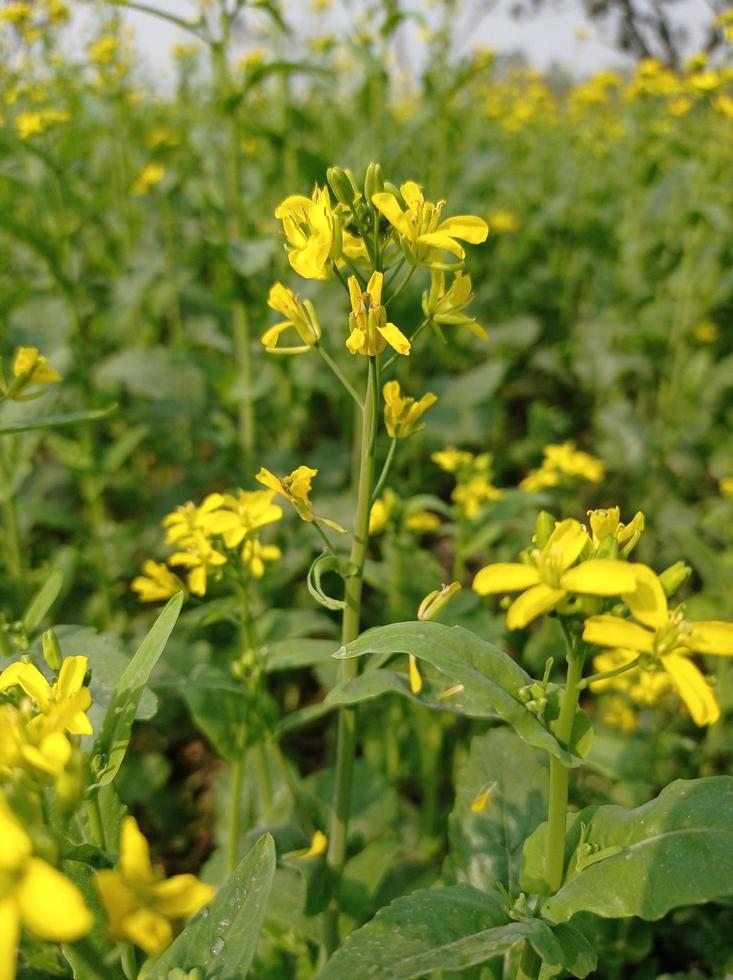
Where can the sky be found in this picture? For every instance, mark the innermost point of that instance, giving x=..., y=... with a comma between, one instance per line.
x=548, y=38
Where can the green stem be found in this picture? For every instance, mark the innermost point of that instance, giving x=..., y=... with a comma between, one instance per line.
x=594, y=678
x=243, y=355
x=339, y=374
x=559, y=774
x=324, y=537
x=346, y=730
x=385, y=470
x=96, y=824
x=14, y=555
x=235, y=793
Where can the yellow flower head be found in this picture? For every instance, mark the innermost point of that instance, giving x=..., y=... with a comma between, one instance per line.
x=606, y=523
x=445, y=306
x=151, y=174
x=473, y=493
x=369, y=330
x=422, y=234
x=24, y=744
x=201, y=559
x=451, y=460
x=17, y=13
x=563, y=462
x=421, y=522
x=255, y=554
x=503, y=221
x=30, y=368
x=300, y=316
x=242, y=514
x=103, y=50
x=188, y=520
x=401, y=415
x=312, y=233
x=295, y=488
x=381, y=511
x=661, y=638
x=139, y=902
x=63, y=704
x=474, y=487
x=33, y=894
x=548, y=579
x=156, y=583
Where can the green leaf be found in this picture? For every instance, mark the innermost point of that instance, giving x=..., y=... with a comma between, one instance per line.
x=675, y=850
x=111, y=745
x=223, y=942
x=328, y=563
x=54, y=421
x=489, y=677
x=297, y=652
x=448, y=929
x=42, y=601
x=219, y=706
x=486, y=846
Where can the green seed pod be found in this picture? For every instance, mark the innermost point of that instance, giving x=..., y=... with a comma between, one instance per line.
x=51, y=650
x=341, y=185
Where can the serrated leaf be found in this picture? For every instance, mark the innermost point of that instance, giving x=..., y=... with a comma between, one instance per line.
x=675, y=850
x=224, y=941
x=111, y=745
x=487, y=673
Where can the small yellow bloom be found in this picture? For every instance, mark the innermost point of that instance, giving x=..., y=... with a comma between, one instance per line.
x=139, y=902
x=381, y=511
x=15, y=13
x=300, y=316
x=311, y=233
x=156, y=583
x=503, y=221
x=33, y=894
x=662, y=638
x=706, y=332
x=369, y=330
x=606, y=523
x=616, y=712
x=151, y=174
x=548, y=580
x=29, y=368
x=445, y=306
x=63, y=704
x=242, y=514
x=726, y=486
x=34, y=122
x=103, y=50
x=188, y=520
x=416, y=682
x=451, y=460
x=422, y=234
x=563, y=461
x=473, y=493
x=318, y=846
x=201, y=559
x=481, y=802
x=295, y=488
x=255, y=554
x=401, y=415
x=422, y=522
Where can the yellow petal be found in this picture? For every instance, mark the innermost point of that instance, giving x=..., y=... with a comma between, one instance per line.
x=15, y=844
x=467, y=227
x=295, y=204
x=567, y=540
x=9, y=936
x=149, y=930
x=374, y=287
x=600, y=576
x=412, y=194
x=50, y=905
x=118, y=900
x=71, y=675
x=505, y=577
x=269, y=480
x=415, y=678
x=387, y=204
x=712, y=637
x=394, y=336
x=531, y=604
x=181, y=896
x=612, y=631
x=30, y=679
x=693, y=689
x=647, y=601
x=439, y=239
x=134, y=853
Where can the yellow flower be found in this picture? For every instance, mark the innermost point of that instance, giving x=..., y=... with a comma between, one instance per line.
x=370, y=332
x=503, y=221
x=37, y=121
x=188, y=520
x=726, y=486
x=563, y=461
x=381, y=511
x=617, y=713
x=310, y=232
x=151, y=174
x=548, y=579
x=662, y=638
x=423, y=236
x=156, y=583
x=201, y=559
x=103, y=50
x=643, y=687
x=33, y=894
x=451, y=460
x=422, y=522
x=302, y=317
x=445, y=306
x=416, y=681
x=242, y=514
x=139, y=902
x=472, y=494
x=29, y=368
x=295, y=488
x=43, y=751
x=15, y=13
x=606, y=523
x=64, y=704
x=401, y=415
x=255, y=554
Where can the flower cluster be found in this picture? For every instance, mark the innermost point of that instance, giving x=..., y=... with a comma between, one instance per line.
x=410, y=516
x=562, y=465
x=474, y=488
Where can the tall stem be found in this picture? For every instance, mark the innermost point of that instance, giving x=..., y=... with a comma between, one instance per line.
x=346, y=730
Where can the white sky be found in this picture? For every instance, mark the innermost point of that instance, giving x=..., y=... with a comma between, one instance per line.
x=548, y=38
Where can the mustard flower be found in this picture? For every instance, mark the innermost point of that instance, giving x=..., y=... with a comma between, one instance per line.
x=29, y=368
x=662, y=638
x=445, y=306
x=401, y=415
x=188, y=520
x=369, y=330
x=33, y=894
x=201, y=559
x=103, y=50
x=139, y=902
x=151, y=174
x=156, y=583
x=296, y=488
x=242, y=514
x=422, y=234
x=606, y=523
x=563, y=461
x=300, y=316
x=381, y=511
x=63, y=704
x=451, y=459
x=255, y=554
x=548, y=579
x=312, y=236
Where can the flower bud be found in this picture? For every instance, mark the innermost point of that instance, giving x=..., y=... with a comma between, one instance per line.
x=51, y=650
x=342, y=185
x=373, y=181
x=674, y=576
x=543, y=529
x=436, y=601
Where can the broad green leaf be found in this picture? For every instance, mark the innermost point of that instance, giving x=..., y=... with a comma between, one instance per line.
x=219, y=706
x=54, y=421
x=486, y=673
x=42, y=601
x=111, y=745
x=223, y=942
x=486, y=846
x=447, y=929
x=297, y=652
x=675, y=850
